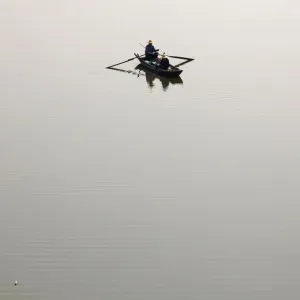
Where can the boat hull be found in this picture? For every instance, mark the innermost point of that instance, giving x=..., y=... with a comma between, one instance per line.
x=172, y=72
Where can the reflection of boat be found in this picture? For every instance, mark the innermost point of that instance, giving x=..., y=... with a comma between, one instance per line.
x=171, y=72
x=150, y=77
x=173, y=80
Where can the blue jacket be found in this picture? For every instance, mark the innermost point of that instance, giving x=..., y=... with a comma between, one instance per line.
x=150, y=48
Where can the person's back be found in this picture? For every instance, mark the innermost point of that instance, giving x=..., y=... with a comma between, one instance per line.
x=150, y=51
x=164, y=63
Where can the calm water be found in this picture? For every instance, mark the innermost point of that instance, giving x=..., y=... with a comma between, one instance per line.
x=118, y=186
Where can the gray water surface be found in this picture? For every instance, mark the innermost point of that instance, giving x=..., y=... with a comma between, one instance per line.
x=114, y=188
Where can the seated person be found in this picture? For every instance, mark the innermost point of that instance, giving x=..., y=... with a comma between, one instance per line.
x=164, y=63
x=150, y=51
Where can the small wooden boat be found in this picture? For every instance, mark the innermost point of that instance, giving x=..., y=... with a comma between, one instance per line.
x=154, y=67
x=148, y=73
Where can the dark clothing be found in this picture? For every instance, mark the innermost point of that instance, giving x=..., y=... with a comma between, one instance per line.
x=150, y=52
x=150, y=48
x=150, y=56
x=164, y=63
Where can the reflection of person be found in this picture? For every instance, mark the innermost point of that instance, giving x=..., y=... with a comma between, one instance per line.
x=150, y=78
x=165, y=83
x=150, y=51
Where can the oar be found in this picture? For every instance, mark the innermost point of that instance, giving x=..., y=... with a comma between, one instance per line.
x=123, y=62
x=130, y=59
x=180, y=57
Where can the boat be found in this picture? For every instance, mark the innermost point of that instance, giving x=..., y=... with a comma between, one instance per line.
x=154, y=67
x=149, y=74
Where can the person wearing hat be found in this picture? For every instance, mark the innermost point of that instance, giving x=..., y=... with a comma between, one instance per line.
x=150, y=51
x=164, y=63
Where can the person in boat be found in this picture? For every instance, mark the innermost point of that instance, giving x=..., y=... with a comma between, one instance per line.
x=164, y=62
x=150, y=51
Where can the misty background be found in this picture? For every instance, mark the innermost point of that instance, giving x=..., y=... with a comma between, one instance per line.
x=112, y=190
